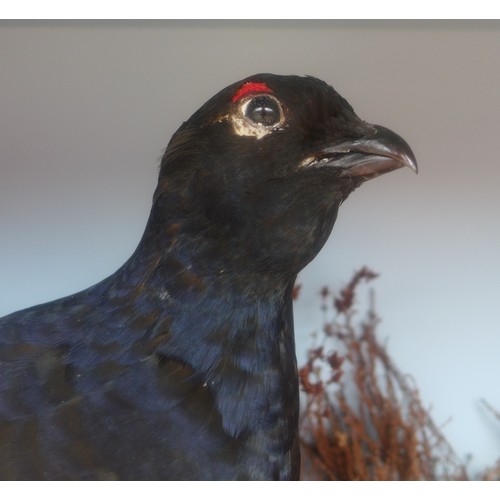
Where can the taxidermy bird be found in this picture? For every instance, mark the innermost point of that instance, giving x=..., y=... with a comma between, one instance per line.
x=181, y=365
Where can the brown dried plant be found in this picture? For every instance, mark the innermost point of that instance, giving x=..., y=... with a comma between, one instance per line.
x=362, y=418
x=491, y=473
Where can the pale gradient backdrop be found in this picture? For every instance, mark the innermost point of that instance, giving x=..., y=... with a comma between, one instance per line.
x=86, y=109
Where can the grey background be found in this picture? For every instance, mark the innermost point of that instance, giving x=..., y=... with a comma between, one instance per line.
x=86, y=109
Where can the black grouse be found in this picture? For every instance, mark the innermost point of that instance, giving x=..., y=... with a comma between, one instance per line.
x=181, y=365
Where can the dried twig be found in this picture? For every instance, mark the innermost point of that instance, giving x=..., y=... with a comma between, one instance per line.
x=363, y=419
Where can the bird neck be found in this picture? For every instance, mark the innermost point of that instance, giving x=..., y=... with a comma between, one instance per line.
x=190, y=255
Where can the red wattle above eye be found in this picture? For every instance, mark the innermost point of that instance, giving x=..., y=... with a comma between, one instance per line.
x=250, y=87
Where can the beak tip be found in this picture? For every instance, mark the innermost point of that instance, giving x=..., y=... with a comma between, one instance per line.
x=411, y=162
x=398, y=147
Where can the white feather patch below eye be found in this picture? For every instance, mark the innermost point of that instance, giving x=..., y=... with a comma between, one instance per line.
x=242, y=127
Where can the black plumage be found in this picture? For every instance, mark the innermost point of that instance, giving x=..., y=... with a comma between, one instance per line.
x=181, y=365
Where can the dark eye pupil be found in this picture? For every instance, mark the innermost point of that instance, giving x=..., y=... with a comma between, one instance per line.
x=264, y=110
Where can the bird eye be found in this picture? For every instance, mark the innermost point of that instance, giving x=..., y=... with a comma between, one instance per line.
x=264, y=110
x=258, y=116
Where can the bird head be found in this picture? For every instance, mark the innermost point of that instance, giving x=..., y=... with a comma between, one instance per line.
x=261, y=169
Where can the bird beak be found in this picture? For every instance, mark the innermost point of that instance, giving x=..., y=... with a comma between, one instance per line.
x=376, y=153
